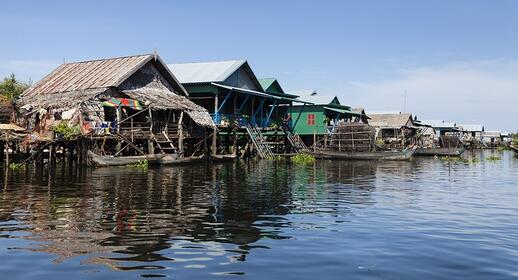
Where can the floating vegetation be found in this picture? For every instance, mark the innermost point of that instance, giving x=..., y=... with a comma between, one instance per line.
x=503, y=148
x=458, y=159
x=277, y=157
x=493, y=159
x=303, y=158
x=141, y=164
x=17, y=166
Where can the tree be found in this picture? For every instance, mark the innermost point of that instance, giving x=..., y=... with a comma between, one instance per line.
x=11, y=88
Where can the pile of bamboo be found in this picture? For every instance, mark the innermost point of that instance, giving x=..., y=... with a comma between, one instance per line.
x=352, y=137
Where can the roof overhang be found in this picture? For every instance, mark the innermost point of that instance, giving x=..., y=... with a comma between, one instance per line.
x=342, y=111
x=247, y=91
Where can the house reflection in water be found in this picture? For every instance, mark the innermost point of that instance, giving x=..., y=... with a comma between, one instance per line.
x=127, y=219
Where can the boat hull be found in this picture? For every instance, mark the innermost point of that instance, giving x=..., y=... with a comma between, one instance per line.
x=381, y=155
x=168, y=161
x=452, y=152
x=103, y=161
x=223, y=158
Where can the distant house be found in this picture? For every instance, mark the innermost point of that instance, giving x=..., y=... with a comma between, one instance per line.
x=492, y=138
x=471, y=131
x=392, y=127
x=442, y=128
x=231, y=92
x=319, y=118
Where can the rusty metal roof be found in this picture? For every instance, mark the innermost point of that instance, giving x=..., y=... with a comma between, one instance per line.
x=102, y=73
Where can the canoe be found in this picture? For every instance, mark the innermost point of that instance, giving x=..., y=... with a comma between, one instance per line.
x=452, y=152
x=223, y=158
x=102, y=161
x=172, y=160
x=405, y=154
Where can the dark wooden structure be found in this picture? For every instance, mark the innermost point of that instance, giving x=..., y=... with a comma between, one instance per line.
x=123, y=106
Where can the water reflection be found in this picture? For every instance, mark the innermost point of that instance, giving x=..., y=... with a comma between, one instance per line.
x=171, y=214
x=246, y=218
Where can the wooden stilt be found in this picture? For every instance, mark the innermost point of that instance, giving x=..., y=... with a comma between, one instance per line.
x=2, y=147
x=51, y=155
x=180, y=135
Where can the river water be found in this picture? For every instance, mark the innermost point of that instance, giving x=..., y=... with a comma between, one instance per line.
x=422, y=219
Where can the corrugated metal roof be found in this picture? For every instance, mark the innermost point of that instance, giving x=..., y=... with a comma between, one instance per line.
x=471, y=127
x=266, y=82
x=205, y=72
x=439, y=123
x=102, y=73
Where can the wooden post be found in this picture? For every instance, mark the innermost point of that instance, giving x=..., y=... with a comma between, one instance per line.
x=7, y=150
x=51, y=154
x=132, y=138
x=205, y=151
x=215, y=134
x=2, y=147
x=314, y=139
x=63, y=153
x=180, y=135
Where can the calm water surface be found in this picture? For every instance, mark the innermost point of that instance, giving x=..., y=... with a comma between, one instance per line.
x=425, y=219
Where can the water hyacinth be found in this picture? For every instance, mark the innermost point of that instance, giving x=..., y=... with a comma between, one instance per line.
x=493, y=159
x=141, y=164
x=303, y=158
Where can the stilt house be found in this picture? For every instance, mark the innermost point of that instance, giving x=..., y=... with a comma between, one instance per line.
x=132, y=105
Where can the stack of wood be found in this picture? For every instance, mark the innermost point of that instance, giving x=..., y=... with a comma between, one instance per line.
x=449, y=141
x=353, y=137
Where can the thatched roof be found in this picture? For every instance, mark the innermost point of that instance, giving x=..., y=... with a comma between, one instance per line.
x=72, y=84
x=155, y=98
x=396, y=121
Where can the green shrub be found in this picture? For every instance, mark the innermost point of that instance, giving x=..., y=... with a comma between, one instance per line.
x=68, y=132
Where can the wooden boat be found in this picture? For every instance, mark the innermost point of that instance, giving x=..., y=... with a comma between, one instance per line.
x=173, y=160
x=102, y=161
x=515, y=149
x=451, y=152
x=405, y=154
x=224, y=158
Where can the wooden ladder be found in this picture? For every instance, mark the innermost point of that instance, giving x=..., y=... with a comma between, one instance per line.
x=295, y=141
x=259, y=141
x=164, y=144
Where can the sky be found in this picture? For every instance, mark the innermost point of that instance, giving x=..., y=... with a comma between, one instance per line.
x=450, y=60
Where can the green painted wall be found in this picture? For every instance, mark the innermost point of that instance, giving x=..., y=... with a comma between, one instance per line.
x=302, y=127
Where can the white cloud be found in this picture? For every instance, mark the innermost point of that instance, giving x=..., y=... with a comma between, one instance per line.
x=483, y=92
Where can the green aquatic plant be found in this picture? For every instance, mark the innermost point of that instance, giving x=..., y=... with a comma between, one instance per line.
x=493, y=159
x=303, y=158
x=276, y=157
x=67, y=131
x=458, y=159
x=141, y=164
x=17, y=166
x=503, y=148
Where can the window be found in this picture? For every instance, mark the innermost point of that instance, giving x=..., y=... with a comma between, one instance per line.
x=311, y=119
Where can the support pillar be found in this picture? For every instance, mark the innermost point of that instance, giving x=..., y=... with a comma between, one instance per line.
x=180, y=135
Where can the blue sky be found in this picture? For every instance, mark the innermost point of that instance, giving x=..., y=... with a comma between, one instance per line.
x=456, y=60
